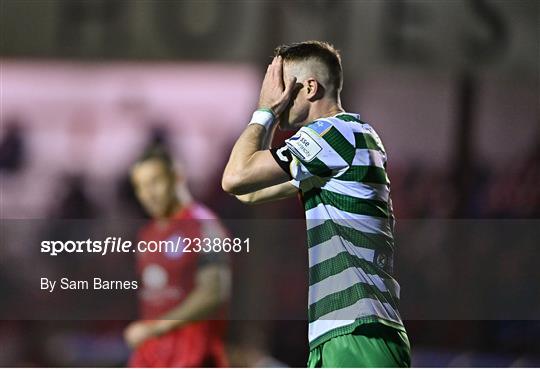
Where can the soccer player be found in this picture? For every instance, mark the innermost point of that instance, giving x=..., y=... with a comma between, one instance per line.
x=338, y=164
x=183, y=294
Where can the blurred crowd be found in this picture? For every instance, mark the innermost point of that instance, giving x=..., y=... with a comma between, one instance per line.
x=419, y=190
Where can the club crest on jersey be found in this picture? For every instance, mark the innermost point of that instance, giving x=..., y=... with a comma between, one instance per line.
x=303, y=146
x=384, y=261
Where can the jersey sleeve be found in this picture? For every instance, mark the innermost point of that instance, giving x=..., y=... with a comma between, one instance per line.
x=318, y=150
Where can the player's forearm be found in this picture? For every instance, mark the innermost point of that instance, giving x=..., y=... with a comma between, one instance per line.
x=257, y=197
x=268, y=137
x=273, y=193
x=253, y=139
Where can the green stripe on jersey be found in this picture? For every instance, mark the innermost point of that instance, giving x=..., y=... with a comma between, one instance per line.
x=348, y=297
x=339, y=263
x=318, y=168
x=340, y=144
x=366, y=141
x=348, y=118
x=350, y=204
x=366, y=174
x=325, y=231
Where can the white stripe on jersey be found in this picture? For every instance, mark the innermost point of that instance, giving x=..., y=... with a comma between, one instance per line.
x=334, y=246
x=363, y=223
x=345, y=279
x=361, y=190
x=367, y=157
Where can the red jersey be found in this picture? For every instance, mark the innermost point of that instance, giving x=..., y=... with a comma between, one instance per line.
x=167, y=279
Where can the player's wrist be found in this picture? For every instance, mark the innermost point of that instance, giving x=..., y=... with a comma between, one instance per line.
x=264, y=117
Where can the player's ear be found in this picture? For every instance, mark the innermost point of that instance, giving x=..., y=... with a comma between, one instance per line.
x=314, y=90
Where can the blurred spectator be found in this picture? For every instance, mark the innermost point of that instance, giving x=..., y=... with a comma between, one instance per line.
x=157, y=137
x=75, y=203
x=12, y=146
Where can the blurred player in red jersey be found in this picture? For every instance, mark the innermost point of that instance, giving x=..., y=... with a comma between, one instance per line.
x=183, y=294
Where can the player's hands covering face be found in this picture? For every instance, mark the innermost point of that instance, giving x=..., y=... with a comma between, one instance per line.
x=276, y=93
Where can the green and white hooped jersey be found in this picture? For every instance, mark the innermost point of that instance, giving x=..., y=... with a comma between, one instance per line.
x=339, y=164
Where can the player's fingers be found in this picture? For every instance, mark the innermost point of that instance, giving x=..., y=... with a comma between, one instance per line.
x=272, y=64
x=279, y=65
x=276, y=61
x=273, y=70
x=269, y=69
x=289, y=87
x=278, y=71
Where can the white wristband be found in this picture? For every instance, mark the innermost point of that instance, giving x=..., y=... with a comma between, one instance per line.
x=264, y=117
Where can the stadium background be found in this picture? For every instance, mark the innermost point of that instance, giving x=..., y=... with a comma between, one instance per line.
x=451, y=86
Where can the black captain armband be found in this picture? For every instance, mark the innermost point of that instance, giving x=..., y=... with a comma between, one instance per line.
x=283, y=157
